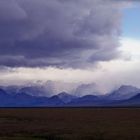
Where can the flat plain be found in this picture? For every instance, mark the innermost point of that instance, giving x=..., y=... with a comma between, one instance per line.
x=70, y=123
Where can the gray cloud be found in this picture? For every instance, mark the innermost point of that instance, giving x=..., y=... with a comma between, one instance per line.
x=63, y=33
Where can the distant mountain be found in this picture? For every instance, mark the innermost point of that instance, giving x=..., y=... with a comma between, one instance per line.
x=124, y=96
x=55, y=101
x=124, y=92
x=88, y=100
x=34, y=90
x=134, y=101
x=3, y=93
x=65, y=97
x=11, y=89
x=4, y=98
x=26, y=100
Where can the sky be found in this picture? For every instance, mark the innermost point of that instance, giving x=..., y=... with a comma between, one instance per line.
x=131, y=22
x=95, y=43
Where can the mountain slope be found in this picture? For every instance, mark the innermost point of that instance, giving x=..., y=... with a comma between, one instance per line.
x=134, y=101
x=123, y=93
x=88, y=100
x=25, y=100
x=65, y=97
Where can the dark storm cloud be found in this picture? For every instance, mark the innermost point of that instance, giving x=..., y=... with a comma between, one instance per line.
x=69, y=33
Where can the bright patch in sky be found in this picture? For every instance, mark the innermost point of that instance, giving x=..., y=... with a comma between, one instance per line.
x=131, y=48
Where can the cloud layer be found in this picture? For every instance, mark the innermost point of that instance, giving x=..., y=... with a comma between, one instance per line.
x=60, y=33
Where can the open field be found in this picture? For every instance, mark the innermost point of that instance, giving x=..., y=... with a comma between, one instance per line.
x=70, y=124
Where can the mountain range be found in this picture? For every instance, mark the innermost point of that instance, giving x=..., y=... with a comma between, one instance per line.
x=20, y=97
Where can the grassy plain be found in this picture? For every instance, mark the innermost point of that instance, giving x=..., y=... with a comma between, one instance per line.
x=69, y=124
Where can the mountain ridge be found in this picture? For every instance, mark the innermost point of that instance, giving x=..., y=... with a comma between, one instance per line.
x=65, y=99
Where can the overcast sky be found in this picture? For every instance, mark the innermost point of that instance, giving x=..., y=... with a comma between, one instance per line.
x=71, y=41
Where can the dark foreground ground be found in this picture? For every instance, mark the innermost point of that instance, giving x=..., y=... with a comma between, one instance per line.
x=70, y=124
